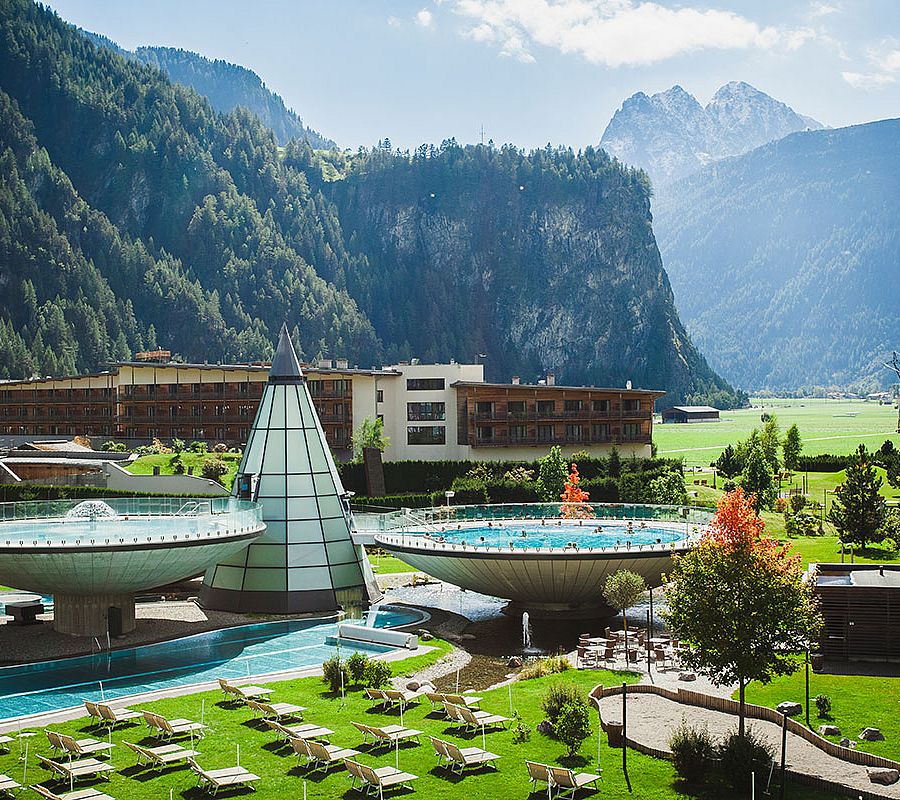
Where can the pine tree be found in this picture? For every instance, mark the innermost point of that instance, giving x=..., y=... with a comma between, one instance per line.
x=859, y=510
x=757, y=478
x=791, y=447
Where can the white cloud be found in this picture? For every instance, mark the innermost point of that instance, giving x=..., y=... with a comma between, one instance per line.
x=393, y=22
x=424, y=18
x=616, y=32
x=820, y=8
x=885, y=63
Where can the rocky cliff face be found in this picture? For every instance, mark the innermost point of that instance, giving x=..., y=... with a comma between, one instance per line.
x=670, y=135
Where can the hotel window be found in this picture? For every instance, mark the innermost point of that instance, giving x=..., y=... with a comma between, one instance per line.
x=425, y=411
x=220, y=411
x=244, y=410
x=517, y=433
x=153, y=432
x=485, y=433
x=151, y=389
x=129, y=391
x=631, y=431
x=379, y=395
x=195, y=411
x=484, y=409
x=340, y=388
x=574, y=433
x=129, y=411
x=600, y=433
x=424, y=384
x=151, y=412
x=602, y=406
x=243, y=388
x=546, y=406
x=631, y=405
x=315, y=388
x=545, y=433
x=195, y=388
x=173, y=389
x=573, y=405
x=422, y=434
x=198, y=433
x=339, y=435
x=220, y=433
x=516, y=408
x=173, y=412
x=339, y=409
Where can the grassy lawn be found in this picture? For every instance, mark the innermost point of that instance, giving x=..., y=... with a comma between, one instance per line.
x=281, y=777
x=387, y=565
x=144, y=464
x=858, y=701
x=826, y=426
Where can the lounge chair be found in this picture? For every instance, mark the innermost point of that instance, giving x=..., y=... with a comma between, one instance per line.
x=478, y=720
x=110, y=717
x=276, y=711
x=214, y=779
x=8, y=786
x=162, y=756
x=388, y=734
x=63, y=743
x=242, y=694
x=456, y=759
x=93, y=712
x=539, y=773
x=78, y=794
x=308, y=730
x=377, y=779
x=568, y=782
x=162, y=728
x=321, y=756
x=72, y=771
x=467, y=701
x=401, y=698
x=376, y=697
x=5, y=743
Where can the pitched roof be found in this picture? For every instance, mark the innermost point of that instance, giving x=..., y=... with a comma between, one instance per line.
x=285, y=363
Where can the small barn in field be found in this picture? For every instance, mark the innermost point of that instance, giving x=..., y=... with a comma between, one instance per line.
x=690, y=414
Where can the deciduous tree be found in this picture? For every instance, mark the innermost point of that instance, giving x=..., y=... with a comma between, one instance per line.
x=791, y=447
x=622, y=590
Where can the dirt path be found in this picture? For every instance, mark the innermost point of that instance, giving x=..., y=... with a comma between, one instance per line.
x=651, y=719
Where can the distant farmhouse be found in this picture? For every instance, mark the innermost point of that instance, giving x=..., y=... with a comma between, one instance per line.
x=690, y=414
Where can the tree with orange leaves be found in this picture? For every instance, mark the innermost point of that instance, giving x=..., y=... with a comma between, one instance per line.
x=739, y=602
x=575, y=498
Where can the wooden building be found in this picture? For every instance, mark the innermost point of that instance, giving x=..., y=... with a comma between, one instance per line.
x=690, y=414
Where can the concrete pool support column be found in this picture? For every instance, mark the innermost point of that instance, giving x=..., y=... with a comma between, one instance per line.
x=88, y=614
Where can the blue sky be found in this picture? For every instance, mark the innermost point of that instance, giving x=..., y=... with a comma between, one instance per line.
x=528, y=71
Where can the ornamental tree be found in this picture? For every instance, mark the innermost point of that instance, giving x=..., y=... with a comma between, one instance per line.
x=574, y=498
x=370, y=433
x=757, y=479
x=739, y=603
x=552, y=475
x=622, y=590
x=859, y=510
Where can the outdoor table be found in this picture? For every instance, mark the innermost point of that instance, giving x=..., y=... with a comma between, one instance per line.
x=661, y=641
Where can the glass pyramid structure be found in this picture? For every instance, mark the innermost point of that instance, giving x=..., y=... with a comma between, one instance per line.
x=306, y=560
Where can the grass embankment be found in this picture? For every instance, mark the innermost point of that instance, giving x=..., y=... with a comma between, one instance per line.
x=826, y=426
x=144, y=464
x=281, y=777
x=858, y=701
x=388, y=565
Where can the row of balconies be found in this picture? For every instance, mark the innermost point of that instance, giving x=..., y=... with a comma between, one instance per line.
x=585, y=439
x=533, y=415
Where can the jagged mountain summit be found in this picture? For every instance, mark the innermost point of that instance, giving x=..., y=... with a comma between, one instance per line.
x=670, y=135
x=225, y=85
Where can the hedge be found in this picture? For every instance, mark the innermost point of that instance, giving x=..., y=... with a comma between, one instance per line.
x=21, y=492
x=823, y=463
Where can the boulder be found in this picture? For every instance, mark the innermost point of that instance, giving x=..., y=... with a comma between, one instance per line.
x=789, y=709
x=884, y=776
x=850, y=743
x=687, y=676
x=829, y=730
x=415, y=686
x=467, y=637
x=872, y=735
x=425, y=636
x=545, y=727
x=514, y=663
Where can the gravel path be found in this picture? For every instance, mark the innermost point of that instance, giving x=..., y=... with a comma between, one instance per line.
x=652, y=718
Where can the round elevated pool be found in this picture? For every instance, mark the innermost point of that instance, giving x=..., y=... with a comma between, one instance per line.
x=539, y=560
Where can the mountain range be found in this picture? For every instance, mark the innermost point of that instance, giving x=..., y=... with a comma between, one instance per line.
x=670, y=135
x=133, y=214
x=784, y=260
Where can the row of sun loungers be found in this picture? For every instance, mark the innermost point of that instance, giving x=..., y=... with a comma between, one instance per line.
x=566, y=781
x=308, y=730
x=213, y=780
x=77, y=794
x=162, y=756
x=106, y=716
x=389, y=734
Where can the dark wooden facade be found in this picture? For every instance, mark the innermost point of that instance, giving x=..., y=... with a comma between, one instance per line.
x=511, y=415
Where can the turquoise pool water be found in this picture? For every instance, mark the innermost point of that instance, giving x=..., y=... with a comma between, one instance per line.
x=559, y=534
x=230, y=653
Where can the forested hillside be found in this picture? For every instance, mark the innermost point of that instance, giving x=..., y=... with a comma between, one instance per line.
x=785, y=260
x=134, y=214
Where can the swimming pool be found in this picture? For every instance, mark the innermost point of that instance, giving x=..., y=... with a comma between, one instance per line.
x=232, y=653
x=558, y=534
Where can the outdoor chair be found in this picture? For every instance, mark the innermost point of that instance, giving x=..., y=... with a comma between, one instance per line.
x=389, y=734
x=276, y=711
x=214, y=779
x=568, y=782
x=110, y=717
x=162, y=728
x=466, y=701
x=78, y=794
x=324, y=756
x=481, y=720
x=377, y=779
x=307, y=730
x=243, y=694
x=401, y=698
x=5, y=743
x=663, y=659
x=8, y=787
x=72, y=771
x=376, y=697
x=539, y=773
x=63, y=743
x=456, y=759
x=162, y=756
x=93, y=712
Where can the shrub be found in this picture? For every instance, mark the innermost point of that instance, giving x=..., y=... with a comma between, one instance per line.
x=177, y=464
x=728, y=486
x=797, y=503
x=198, y=447
x=113, y=447
x=377, y=673
x=332, y=670
x=356, y=665
x=692, y=751
x=214, y=469
x=557, y=697
x=220, y=447
x=780, y=505
x=573, y=726
x=545, y=666
x=743, y=755
x=177, y=445
x=521, y=732
x=823, y=704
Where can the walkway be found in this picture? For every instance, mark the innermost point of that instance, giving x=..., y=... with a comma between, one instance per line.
x=651, y=719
